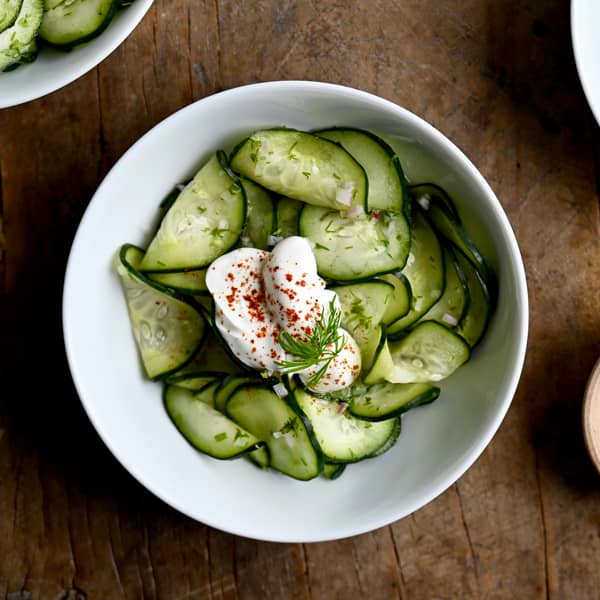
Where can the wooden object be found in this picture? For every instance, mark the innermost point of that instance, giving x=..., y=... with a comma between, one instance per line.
x=498, y=78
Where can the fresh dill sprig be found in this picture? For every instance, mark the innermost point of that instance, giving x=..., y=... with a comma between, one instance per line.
x=322, y=346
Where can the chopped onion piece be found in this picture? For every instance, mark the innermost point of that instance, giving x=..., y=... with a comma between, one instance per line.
x=272, y=240
x=277, y=434
x=223, y=224
x=356, y=211
x=343, y=194
x=342, y=408
x=424, y=201
x=289, y=439
x=280, y=390
x=450, y=319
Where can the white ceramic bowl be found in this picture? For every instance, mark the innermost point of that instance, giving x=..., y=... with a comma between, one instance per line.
x=585, y=21
x=438, y=443
x=54, y=69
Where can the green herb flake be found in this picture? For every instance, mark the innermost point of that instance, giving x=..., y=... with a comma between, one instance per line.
x=306, y=174
x=220, y=437
x=320, y=247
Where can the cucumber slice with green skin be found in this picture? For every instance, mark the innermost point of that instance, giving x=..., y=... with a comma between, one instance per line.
x=226, y=387
x=425, y=272
x=260, y=458
x=214, y=356
x=9, y=10
x=18, y=40
x=205, y=428
x=261, y=215
x=342, y=437
x=383, y=401
x=302, y=166
x=475, y=321
x=287, y=215
x=333, y=471
x=286, y=430
x=363, y=305
x=430, y=352
x=422, y=193
x=382, y=363
x=73, y=22
x=387, y=185
x=400, y=302
x=450, y=228
x=207, y=394
x=204, y=222
x=348, y=249
x=391, y=441
x=186, y=282
x=167, y=329
x=193, y=382
x=454, y=303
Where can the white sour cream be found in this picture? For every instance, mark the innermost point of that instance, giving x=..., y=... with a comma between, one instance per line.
x=257, y=294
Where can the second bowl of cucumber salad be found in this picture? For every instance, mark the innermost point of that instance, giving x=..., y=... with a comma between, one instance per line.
x=47, y=44
x=308, y=311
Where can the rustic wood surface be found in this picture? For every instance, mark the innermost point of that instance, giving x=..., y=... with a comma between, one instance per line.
x=497, y=77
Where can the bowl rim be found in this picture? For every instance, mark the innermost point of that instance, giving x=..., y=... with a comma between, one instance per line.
x=521, y=312
x=133, y=14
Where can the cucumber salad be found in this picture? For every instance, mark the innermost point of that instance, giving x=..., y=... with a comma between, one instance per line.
x=299, y=296
x=24, y=24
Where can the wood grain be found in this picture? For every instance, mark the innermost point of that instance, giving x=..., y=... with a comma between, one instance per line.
x=497, y=77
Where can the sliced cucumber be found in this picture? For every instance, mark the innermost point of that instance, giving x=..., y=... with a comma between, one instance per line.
x=454, y=303
x=18, y=40
x=447, y=225
x=287, y=432
x=424, y=270
x=207, y=393
x=348, y=249
x=9, y=10
x=333, y=471
x=193, y=382
x=186, y=282
x=204, y=222
x=382, y=363
x=227, y=386
x=391, y=441
x=302, y=166
x=385, y=400
x=363, y=305
x=475, y=321
x=400, y=302
x=205, y=428
x=422, y=193
x=342, y=437
x=430, y=352
x=214, y=356
x=287, y=216
x=387, y=184
x=260, y=457
x=261, y=216
x=168, y=330
x=73, y=22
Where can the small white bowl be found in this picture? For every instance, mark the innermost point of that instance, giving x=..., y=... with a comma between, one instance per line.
x=438, y=443
x=585, y=21
x=54, y=69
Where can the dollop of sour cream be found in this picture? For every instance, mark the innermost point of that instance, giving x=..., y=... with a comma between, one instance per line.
x=258, y=294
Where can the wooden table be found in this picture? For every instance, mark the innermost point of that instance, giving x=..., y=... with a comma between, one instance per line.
x=498, y=78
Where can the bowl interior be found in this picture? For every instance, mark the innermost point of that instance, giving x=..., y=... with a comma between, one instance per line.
x=54, y=69
x=585, y=18
x=438, y=441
